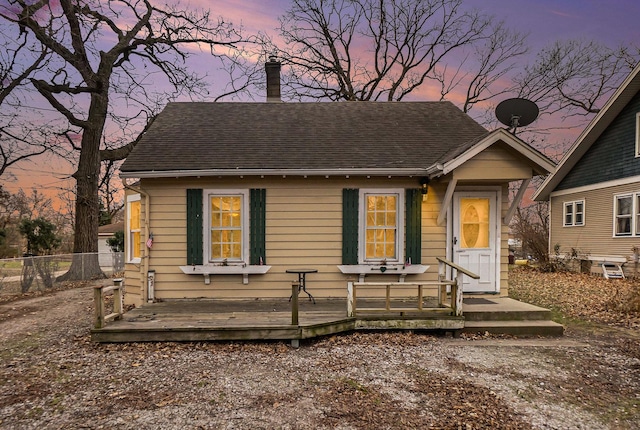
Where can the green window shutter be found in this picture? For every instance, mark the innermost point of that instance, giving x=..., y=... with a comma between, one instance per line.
x=257, y=231
x=194, y=226
x=413, y=225
x=350, y=199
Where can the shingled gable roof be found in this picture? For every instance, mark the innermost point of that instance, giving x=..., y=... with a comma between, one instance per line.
x=539, y=162
x=627, y=90
x=189, y=139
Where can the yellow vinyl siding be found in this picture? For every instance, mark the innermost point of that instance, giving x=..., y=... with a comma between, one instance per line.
x=494, y=163
x=133, y=284
x=303, y=229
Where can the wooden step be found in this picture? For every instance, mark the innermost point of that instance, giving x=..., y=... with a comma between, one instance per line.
x=537, y=314
x=516, y=328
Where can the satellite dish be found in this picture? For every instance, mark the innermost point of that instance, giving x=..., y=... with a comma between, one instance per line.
x=516, y=113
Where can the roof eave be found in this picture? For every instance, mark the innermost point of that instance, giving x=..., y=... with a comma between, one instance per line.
x=540, y=163
x=408, y=172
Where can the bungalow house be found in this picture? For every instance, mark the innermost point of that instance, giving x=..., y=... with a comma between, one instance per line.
x=594, y=194
x=229, y=196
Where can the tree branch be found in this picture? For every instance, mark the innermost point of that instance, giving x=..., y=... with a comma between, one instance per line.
x=122, y=152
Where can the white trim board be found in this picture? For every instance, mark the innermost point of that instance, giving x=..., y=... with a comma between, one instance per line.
x=598, y=186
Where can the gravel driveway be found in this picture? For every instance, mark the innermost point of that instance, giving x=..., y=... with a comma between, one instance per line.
x=52, y=376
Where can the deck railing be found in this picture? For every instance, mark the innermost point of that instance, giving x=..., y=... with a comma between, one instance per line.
x=295, y=291
x=99, y=292
x=435, y=294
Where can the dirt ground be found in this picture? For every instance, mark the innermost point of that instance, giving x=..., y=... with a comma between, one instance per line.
x=53, y=377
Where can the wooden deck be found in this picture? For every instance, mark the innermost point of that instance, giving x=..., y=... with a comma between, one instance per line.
x=208, y=320
x=431, y=308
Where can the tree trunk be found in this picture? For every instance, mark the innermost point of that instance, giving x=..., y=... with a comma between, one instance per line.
x=85, y=264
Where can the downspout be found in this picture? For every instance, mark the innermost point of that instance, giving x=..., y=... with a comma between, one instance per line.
x=144, y=266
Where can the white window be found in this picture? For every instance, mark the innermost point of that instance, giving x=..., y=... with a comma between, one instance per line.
x=382, y=226
x=638, y=134
x=226, y=232
x=133, y=228
x=573, y=213
x=623, y=215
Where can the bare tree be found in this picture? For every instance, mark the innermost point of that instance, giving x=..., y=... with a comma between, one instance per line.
x=575, y=78
x=109, y=192
x=109, y=58
x=21, y=206
x=386, y=49
x=245, y=70
x=493, y=59
x=531, y=226
x=20, y=57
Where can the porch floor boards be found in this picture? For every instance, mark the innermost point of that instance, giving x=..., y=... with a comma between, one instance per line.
x=200, y=320
x=229, y=320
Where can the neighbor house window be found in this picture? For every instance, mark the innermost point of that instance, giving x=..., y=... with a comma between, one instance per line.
x=623, y=214
x=573, y=213
x=638, y=134
x=227, y=237
x=133, y=228
x=382, y=226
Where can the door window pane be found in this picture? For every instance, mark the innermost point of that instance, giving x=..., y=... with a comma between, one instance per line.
x=474, y=222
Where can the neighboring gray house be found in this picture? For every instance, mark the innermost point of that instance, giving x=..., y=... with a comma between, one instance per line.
x=105, y=255
x=594, y=193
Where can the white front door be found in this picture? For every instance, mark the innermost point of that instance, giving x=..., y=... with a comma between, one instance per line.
x=475, y=230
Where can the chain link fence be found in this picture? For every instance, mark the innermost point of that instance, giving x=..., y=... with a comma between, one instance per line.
x=38, y=273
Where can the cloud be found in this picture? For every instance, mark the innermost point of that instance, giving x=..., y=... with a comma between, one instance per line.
x=563, y=14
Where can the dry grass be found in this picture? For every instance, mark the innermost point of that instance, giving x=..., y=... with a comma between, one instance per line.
x=590, y=298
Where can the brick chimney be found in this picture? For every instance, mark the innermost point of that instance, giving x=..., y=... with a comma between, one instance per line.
x=272, y=67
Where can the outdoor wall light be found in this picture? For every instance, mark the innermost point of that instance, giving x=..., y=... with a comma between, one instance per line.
x=424, y=182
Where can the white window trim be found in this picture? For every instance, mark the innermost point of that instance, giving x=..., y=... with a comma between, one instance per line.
x=638, y=134
x=206, y=225
x=129, y=243
x=634, y=213
x=400, y=216
x=574, y=205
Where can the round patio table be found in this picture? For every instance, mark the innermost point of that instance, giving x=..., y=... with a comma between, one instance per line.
x=301, y=280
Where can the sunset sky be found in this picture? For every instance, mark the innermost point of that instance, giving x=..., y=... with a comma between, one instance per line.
x=611, y=22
